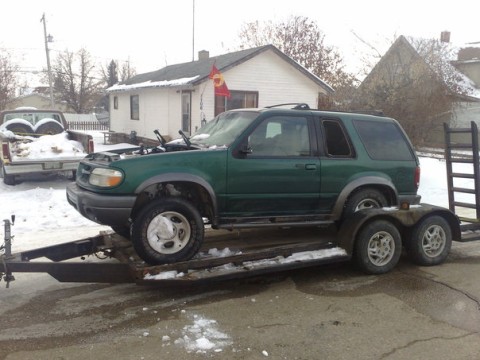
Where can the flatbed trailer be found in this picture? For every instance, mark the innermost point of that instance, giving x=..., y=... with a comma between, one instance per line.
x=225, y=255
x=374, y=238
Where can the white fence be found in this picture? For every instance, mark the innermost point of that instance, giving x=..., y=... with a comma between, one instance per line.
x=85, y=122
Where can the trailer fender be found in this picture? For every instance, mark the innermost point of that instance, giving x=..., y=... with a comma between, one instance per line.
x=404, y=220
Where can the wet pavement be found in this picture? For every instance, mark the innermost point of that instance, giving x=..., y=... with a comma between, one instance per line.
x=326, y=312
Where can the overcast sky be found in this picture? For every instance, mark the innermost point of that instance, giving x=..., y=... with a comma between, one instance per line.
x=152, y=34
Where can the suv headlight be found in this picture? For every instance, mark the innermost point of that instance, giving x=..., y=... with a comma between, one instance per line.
x=105, y=177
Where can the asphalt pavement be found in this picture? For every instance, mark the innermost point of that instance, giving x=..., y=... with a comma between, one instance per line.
x=326, y=312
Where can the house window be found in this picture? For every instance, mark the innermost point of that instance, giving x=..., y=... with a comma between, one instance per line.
x=115, y=102
x=237, y=100
x=134, y=107
x=186, y=110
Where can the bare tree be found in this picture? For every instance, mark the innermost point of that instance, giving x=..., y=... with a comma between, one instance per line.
x=301, y=39
x=8, y=79
x=75, y=81
x=127, y=71
x=414, y=83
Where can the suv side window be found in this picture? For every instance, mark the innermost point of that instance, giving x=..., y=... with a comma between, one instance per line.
x=281, y=136
x=336, y=142
x=383, y=140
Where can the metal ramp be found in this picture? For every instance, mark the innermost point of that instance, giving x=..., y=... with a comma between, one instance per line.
x=463, y=177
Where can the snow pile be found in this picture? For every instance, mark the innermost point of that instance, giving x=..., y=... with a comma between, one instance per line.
x=214, y=252
x=164, y=275
x=39, y=209
x=46, y=147
x=202, y=336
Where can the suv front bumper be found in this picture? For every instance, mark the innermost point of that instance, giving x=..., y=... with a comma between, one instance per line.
x=102, y=209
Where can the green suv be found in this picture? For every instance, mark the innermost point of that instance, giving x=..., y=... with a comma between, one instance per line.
x=247, y=168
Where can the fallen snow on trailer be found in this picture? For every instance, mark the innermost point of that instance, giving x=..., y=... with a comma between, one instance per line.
x=229, y=268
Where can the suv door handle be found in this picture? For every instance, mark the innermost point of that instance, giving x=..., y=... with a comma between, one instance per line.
x=306, y=166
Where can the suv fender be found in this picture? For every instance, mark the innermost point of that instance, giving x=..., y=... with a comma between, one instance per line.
x=377, y=182
x=183, y=178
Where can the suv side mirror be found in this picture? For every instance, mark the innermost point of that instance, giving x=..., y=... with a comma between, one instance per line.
x=245, y=149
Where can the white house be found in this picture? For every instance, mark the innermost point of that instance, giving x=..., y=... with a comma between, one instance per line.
x=181, y=96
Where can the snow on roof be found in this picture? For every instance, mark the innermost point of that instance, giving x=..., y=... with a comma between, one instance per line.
x=455, y=80
x=152, y=84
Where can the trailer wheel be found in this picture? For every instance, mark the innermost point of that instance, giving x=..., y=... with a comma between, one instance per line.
x=378, y=247
x=431, y=241
x=167, y=231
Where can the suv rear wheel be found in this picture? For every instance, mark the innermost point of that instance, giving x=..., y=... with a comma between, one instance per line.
x=364, y=199
x=167, y=231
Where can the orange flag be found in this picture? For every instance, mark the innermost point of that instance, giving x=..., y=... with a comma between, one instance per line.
x=221, y=88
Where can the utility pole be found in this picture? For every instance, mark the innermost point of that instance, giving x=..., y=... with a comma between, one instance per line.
x=193, y=31
x=49, y=69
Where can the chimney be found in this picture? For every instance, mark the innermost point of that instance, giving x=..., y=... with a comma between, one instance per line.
x=445, y=36
x=203, y=55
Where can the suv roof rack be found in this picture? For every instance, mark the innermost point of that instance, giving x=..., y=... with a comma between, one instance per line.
x=298, y=106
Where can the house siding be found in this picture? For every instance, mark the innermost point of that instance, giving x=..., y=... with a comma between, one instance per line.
x=275, y=80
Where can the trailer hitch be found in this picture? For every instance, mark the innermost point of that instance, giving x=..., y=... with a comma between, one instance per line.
x=7, y=248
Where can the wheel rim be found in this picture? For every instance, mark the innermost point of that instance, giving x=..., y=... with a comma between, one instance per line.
x=381, y=248
x=168, y=232
x=367, y=204
x=434, y=241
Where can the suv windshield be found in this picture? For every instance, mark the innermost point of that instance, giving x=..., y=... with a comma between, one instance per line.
x=223, y=129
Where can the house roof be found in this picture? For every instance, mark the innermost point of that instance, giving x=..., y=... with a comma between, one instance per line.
x=456, y=81
x=196, y=72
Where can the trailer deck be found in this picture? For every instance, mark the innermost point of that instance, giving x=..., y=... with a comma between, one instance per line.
x=110, y=258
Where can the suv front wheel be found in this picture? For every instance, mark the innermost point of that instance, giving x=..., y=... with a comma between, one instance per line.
x=167, y=230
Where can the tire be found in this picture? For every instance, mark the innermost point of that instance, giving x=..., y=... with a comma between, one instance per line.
x=364, y=199
x=20, y=128
x=49, y=128
x=167, y=230
x=378, y=247
x=430, y=242
x=8, y=179
x=122, y=230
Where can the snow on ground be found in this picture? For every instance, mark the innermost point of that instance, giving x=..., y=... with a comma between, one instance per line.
x=44, y=217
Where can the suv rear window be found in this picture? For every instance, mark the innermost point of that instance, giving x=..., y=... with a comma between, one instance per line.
x=383, y=140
